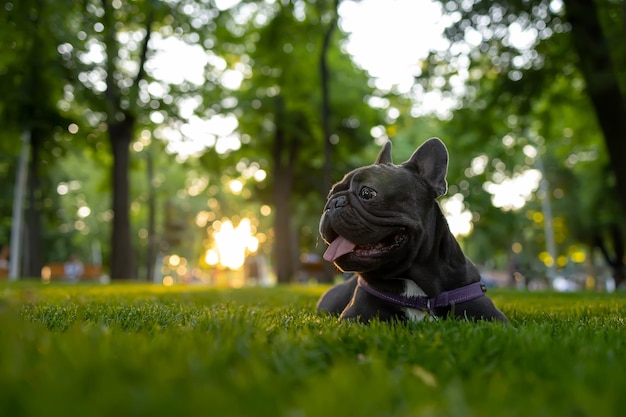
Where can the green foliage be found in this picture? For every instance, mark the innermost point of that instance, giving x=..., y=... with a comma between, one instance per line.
x=148, y=350
x=519, y=96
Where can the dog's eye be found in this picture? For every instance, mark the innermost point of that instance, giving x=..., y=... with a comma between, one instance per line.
x=366, y=193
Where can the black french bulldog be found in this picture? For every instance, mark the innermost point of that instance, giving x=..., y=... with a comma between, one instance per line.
x=383, y=222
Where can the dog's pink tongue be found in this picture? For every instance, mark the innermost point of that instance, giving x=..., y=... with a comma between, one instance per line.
x=338, y=247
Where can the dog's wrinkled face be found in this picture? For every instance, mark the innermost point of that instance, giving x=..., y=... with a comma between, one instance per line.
x=375, y=217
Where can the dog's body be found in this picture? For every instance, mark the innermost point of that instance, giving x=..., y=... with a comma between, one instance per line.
x=383, y=222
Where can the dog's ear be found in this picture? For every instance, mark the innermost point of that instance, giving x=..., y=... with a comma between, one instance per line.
x=431, y=161
x=384, y=156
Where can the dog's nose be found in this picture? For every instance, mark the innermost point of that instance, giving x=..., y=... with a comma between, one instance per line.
x=340, y=201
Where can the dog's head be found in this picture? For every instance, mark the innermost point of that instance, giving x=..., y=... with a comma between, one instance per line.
x=378, y=217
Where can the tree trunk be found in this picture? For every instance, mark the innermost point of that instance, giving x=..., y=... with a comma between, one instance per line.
x=616, y=260
x=602, y=84
x=120, y=135
x=38, y=114
x=121, y=131
x=283, y=247
x=17, y=216
x=283, y=156
x=329, y=269
x=151, y=252
x=33, y=256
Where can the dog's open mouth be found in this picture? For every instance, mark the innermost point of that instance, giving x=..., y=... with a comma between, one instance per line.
x=341, y=246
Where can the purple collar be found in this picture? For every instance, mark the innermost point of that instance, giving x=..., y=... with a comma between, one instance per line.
x=446, y=298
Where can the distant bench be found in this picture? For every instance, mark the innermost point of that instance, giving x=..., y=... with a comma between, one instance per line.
x=55, y=271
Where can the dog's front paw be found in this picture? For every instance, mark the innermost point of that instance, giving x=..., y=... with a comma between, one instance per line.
x=337, y=298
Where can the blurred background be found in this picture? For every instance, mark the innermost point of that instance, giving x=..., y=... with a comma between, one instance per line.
x=195, y=141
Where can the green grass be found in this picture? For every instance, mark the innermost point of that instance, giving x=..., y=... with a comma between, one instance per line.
x=140, y=350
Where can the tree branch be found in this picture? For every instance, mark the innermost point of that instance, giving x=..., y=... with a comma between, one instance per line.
x=112, y=93
x=143, y=57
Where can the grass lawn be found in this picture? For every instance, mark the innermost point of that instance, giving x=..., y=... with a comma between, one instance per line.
x=143, y=350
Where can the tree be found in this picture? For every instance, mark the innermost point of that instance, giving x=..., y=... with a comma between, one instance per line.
x=596, y=63
x=33, y=78
x=530, y=43
x=523, y=93
x=279, y=109
x=124, y=95
x=325, y=87
x=121, y=119
x=326, y=115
